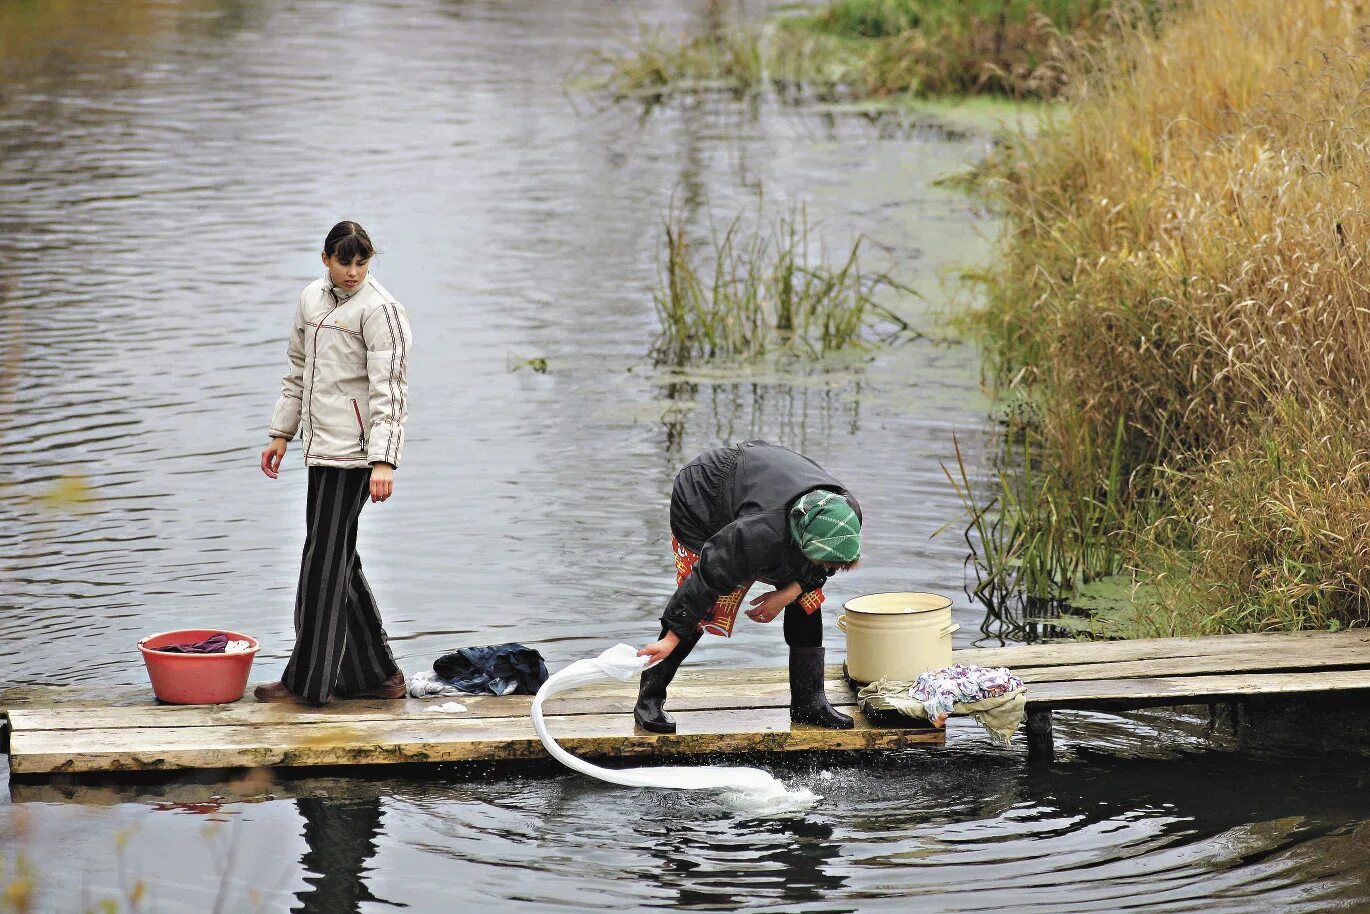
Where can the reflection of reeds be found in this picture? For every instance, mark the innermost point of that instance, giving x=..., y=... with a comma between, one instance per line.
x=761, y=293
x=1185, y=260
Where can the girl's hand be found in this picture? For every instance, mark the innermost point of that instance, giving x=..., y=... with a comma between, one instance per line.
x=382, y=481
x=660, y=650
x=769, y=605
x=272, y=455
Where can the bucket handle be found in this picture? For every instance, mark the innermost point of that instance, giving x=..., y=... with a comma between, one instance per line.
x=842, y=622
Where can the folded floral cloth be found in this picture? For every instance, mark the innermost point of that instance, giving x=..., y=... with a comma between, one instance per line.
x=992, y=695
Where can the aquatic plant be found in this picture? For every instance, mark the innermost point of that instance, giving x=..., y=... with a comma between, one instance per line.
x=1032, y=543
x=1019, y=48
x=657, y=63
x=1180, y=294
x=759, y=291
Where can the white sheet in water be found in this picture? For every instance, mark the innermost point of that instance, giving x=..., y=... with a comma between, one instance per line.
x=750, y=788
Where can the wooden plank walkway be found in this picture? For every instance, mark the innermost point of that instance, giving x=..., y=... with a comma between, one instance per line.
x=720, y=711
x=1129, y=675
x=717, y=711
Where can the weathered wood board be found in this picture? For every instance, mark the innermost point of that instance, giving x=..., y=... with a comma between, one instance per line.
x=719, y=710
x=713, y=718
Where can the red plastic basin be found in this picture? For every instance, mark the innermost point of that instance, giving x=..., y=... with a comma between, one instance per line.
x=197, y=679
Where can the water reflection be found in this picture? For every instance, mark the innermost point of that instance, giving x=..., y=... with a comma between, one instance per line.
x=800, y=412
x=792, y=862
x=1186, y=826
x=342, y=834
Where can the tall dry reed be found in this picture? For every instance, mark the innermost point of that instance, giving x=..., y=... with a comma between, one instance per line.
x=1186, y=256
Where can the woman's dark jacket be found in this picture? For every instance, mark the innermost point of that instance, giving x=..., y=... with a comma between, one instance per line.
x=731, y=505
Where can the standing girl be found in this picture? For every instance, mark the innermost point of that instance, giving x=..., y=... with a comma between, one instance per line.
x=346, y=393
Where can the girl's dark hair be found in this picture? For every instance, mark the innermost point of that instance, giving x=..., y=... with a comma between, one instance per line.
x=348, y=241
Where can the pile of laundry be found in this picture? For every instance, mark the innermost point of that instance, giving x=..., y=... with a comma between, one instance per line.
x=993, y=696
x=217, y=643
x=498, y=669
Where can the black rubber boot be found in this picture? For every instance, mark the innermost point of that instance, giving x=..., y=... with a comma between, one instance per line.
x=651, y=693
x=808, y=702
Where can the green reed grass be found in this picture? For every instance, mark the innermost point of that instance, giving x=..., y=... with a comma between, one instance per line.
x=657, y=63
x=1030, y=537
x=1185, y=261
x=1019, y=48
x=759, y=290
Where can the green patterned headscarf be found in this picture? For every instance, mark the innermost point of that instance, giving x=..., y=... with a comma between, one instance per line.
x=825, y=527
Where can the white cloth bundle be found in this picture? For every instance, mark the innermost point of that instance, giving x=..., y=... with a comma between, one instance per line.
x=428, y=684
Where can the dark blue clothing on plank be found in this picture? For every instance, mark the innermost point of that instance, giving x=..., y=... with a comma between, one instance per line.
x=499, y=669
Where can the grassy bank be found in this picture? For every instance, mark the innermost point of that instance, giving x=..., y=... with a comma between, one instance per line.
x=1178, y=309
x=868, y=48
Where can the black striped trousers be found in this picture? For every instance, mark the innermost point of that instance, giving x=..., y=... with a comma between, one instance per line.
x=340, y=645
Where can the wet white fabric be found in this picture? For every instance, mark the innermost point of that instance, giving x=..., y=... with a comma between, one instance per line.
x=621, y=662
x=428, y=684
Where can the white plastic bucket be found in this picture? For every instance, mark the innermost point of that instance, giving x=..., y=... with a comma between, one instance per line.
x=897, y=635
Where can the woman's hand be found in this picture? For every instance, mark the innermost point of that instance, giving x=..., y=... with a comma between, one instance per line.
x=382, y=481
x=769, y=605
x=660, y=650
x=272, y=455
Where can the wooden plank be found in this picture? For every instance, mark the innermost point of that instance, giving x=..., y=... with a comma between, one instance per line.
x=705, y=690
x=686, y=698
x=441, y=740
x=1301, y=658
x=720, y=711
x=691, y=693
x=1140, y=693
x=1020, y=657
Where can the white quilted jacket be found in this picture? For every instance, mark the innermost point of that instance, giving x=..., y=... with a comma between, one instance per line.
x=346, y=391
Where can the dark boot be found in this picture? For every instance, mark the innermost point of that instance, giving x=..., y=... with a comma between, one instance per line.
x=651, y=694
x=808, y=702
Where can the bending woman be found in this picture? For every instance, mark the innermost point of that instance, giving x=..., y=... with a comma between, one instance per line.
x=742, y=514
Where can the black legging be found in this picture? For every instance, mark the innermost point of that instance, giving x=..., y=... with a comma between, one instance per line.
x=803, y=629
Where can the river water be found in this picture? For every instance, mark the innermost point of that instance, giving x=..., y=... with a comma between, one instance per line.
x=167, y=171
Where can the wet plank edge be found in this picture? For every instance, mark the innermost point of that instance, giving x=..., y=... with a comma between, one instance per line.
x=388, y=742
x=1139, y=693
